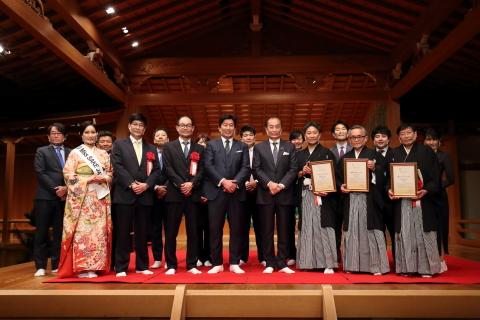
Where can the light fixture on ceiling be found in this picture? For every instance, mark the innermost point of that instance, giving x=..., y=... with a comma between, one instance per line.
x=110, y=10
x=135, y=44
x=4, y=51
x=125, y=30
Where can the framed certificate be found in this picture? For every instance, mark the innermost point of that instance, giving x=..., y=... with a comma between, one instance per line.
x=323, y=176
x=404, y=177
x=356, y=175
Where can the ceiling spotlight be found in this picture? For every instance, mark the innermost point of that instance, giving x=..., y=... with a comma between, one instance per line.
x=4, y=51
x=135, y=44
x=110, y=10
x=125, y=30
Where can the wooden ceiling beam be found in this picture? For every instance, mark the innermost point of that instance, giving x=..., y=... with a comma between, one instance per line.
x=393, y=8
x=132, y=9
x=71, y=12
x=103, y=7
x=256, y=98
x=429, y=21
x=464, y=31
x=193, y=30
x=339, y=24
x=249, y=66
x=328, y=29
x=42, y=30
x=174, y=21
x=164, y=10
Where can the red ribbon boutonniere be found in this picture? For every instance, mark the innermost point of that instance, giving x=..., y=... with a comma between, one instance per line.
x=194, y=158
x=150, y=157
x=418, y=203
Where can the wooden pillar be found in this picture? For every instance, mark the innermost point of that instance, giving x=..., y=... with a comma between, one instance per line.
x=8, y=195
x=393, y=121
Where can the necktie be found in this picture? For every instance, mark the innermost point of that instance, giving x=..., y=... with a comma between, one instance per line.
x=137, y=151
x=227, y=146
x=383, y=152
x=60, y=157
x=341, y=151
x=160, y=159
x=275, y=152
x=250, y=153
x=185, y=150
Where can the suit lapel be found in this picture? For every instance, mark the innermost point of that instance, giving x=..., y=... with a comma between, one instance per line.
x=269, y=151
x=178, y=147
x=281, y=145
x=129, y=146
x=221, y=147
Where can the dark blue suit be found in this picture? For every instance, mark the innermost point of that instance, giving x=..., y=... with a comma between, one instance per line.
x=284, y=172
x=232, y=166
x=49, y=208
x=158, y=214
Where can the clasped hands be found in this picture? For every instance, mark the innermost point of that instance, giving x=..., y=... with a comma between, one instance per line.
x=251, y=186
x=61, y=192
x=138, y=187
x=229, y=185
x=161, y=191
x=420, y=195
x=186, y=188
x=274, y=188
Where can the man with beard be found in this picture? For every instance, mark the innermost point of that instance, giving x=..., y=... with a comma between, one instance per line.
x=160, y=137
x=364, y=246
x=275, y=168
x=226, y=170
x=248, y=135
x=381, y=138
x=415, y=220
x=183, y=166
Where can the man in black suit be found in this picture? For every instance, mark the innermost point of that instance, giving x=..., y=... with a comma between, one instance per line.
x=381, y=138
x=160, y=137
x=226, y=169
x=248, y=135
x=132, y=158
x=183, y=166
x=50, y=197
x=275, y=168
x=339, y=132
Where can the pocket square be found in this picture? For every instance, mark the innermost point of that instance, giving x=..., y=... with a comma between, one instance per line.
x=286, y=153
x=239, y=151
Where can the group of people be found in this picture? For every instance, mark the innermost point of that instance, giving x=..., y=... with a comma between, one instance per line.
x=95, y=195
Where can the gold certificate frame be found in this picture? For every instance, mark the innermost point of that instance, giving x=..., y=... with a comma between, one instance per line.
x=323, y=176
x=356, y=175
x=404, y=177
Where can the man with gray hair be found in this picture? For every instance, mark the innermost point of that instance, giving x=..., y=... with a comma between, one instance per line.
x=364, y=246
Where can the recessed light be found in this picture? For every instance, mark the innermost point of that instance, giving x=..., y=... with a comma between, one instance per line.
x=110, y=10
x=125, y=30
x=135, y=44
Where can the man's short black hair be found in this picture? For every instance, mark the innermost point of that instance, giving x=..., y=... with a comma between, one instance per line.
x=312, y=124
x=60, y=127
x=337, y=123
x=178, y=120
x=247, y=128
x=406, y=125
x=295, y=134
x=138, y=117
x=227, y=117
x=105, y=134
x=382, y=130
x=266, y=121
x=161, y=128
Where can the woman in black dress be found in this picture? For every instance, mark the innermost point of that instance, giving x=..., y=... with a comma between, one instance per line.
x=432, y=139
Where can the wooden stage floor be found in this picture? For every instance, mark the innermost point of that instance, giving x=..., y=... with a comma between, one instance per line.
x=18, y=281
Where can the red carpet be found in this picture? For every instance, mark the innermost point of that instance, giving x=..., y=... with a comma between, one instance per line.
x=460, y=271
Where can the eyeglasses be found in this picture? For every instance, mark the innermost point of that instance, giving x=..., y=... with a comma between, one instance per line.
x=56, y=133
x=357, y=138
x=407, y=133
x=184, y=126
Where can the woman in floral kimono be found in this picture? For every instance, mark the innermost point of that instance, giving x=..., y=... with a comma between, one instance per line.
x=87, y=224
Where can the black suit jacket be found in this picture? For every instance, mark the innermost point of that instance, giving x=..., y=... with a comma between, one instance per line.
x=235, y=166
x=127, y=170
x=285, y=172
x=49, y=172
x=177, y=169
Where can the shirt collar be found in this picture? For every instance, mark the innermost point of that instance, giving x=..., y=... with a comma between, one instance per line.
x=384, y=149
x=135, y=140
x=271, y=141
x=223, y=140
x=182, y=141
x=61, y=147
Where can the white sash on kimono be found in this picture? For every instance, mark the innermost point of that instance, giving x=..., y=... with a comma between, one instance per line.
x=89, y=158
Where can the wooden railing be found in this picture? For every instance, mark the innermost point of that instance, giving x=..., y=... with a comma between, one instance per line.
x=463, y=240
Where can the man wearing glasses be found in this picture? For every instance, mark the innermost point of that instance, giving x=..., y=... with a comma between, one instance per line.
x=364, y=246
x=133, y=196
x=183, y=165
x=50, y=197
